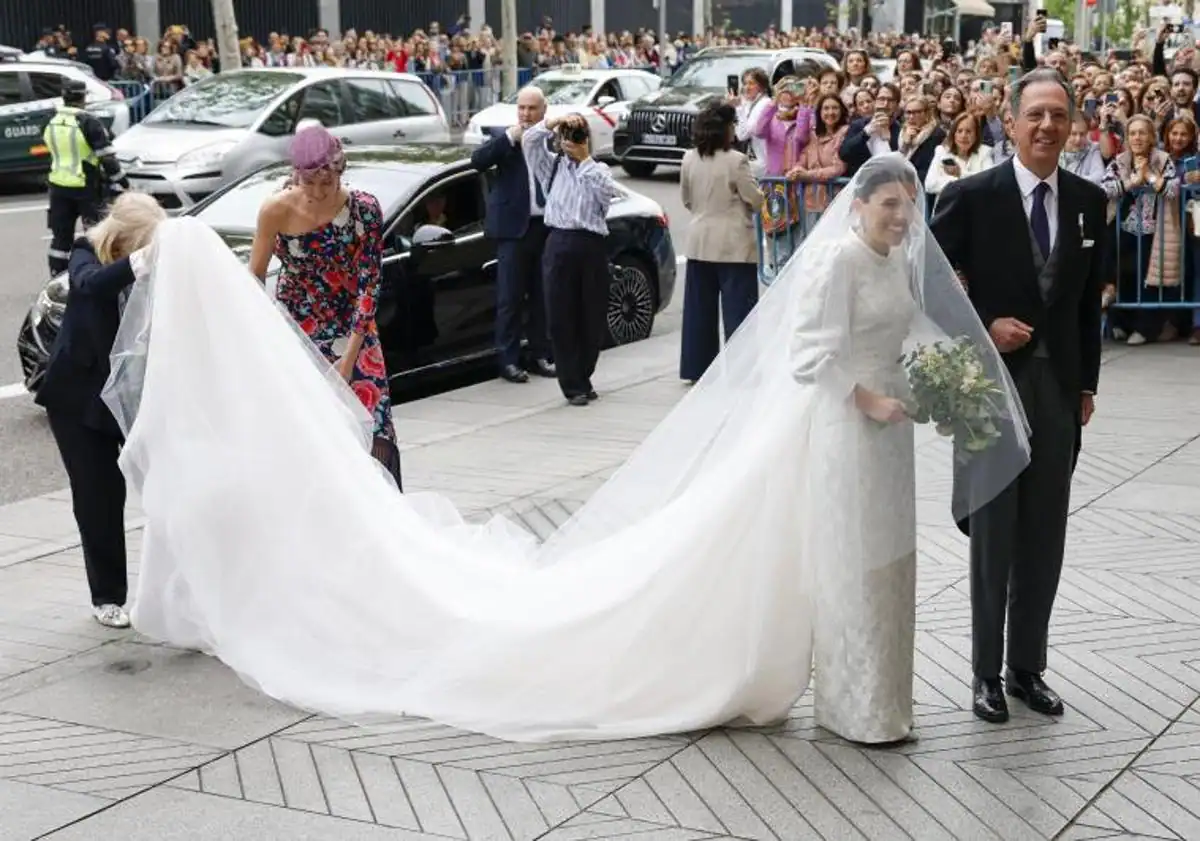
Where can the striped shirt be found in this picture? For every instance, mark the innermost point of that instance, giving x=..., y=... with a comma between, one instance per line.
x=581, y=194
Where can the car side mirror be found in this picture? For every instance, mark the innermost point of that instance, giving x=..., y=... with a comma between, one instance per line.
x=605, y=101
x=429, y=238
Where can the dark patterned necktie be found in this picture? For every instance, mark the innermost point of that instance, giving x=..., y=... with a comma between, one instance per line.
x=1038, y=219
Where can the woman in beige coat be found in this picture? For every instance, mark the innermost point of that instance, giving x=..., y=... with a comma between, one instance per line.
x=721, y=249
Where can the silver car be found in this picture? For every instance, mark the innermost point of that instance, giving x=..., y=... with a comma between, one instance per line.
x=226, y=125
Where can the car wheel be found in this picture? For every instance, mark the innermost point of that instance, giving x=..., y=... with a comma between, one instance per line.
x=631, y=301
x=639, y=170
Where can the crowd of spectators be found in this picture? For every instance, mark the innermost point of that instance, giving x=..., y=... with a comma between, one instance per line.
x=943, y=105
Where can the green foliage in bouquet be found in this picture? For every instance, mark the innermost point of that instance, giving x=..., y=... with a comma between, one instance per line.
x=951, y=389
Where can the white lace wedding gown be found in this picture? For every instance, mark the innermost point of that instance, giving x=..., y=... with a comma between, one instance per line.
x=866, y=585
x=275, y=543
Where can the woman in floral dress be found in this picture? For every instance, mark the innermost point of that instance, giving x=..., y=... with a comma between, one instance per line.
x=329, y=241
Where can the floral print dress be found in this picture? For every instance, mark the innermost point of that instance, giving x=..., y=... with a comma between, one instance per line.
x=329, y=283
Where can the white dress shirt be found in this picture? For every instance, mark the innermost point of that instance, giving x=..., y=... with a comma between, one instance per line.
x=534, y=210
x=1027, y=182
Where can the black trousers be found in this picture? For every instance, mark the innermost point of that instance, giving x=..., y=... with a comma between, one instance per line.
x=98, y=498
x=520, y=300
x=575, y=274
x=67, y=206
x=1018, y=539
x=713, y=293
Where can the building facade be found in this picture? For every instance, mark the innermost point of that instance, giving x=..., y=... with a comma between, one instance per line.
x=21, y=22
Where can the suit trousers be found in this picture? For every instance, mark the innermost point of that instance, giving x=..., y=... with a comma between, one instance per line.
x=98, y=499
x=520, y=301
x=575, y=274
x=731, y=287
x=67, y=206
x=1018, y=539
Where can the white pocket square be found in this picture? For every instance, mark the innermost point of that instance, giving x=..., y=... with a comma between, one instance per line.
x=1087, y=243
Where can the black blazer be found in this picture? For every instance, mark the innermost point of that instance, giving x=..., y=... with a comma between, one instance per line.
x=78, y=366
x=508, y=202
x=980, y=224
x=855, y=152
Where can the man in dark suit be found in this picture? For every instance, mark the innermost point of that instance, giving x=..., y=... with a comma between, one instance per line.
x=88, y=438
x=1027, y=240
x=514, y=220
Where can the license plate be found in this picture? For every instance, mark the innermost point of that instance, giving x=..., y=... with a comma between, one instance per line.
x=658, y=139
x=39, y=150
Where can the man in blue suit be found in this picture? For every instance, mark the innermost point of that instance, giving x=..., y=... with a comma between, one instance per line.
x=514, y=221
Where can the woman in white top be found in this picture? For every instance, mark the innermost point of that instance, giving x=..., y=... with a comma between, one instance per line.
x=749, y=104
x=962, y=154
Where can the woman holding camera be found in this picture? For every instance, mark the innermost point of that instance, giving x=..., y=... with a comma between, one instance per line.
x=579, y=191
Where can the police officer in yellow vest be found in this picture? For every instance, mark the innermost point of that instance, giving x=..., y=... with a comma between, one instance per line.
x=83, y=171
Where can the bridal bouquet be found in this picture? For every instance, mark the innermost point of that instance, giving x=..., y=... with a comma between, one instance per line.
x=951, y=389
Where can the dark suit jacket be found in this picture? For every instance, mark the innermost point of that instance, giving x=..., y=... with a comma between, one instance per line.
x=981, y=225
x=78, y=366
x=855, y=152
x=508, y=202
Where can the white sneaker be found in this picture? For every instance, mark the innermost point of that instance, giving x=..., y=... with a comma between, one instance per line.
x=111, y=616
x=1136, y=339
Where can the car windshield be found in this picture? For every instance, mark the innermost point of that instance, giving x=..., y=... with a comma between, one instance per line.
x=714, y=71
x=562, y=91
x=236, y=210
x=230, y=100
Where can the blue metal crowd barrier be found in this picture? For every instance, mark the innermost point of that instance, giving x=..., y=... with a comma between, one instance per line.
x=1135, y=256
x=464, y=93
x=790, y=220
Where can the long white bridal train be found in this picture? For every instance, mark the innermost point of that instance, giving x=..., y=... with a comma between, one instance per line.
x=274, y=543
x=681, y=596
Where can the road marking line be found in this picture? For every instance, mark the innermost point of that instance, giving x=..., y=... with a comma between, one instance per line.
x=22, y=208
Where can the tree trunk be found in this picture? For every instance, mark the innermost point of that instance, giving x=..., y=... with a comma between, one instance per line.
x=228, y=49
x=508, y=42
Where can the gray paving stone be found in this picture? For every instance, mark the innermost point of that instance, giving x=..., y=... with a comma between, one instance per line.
x=28, y=811
x=87, y=712
x=167, y=814
x=157, y=691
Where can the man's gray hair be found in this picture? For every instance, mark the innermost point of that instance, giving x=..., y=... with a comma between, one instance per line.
x=1037, y=77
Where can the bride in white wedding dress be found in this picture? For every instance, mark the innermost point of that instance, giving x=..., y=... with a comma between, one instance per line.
x=774, y=507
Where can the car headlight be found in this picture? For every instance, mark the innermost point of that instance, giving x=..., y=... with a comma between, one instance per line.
x=51, y=302
x=207, y=156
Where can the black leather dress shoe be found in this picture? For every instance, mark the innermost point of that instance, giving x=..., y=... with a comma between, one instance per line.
x=513, y=374
x=989, y=703
x=1030, y=688
x=578, y=400
x=543, y=368
x=591, y=395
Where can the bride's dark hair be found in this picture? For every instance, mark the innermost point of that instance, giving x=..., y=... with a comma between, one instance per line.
x=879, y=172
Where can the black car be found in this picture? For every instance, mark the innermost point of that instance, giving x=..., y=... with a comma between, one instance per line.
x=437, y=301
x=658, y=128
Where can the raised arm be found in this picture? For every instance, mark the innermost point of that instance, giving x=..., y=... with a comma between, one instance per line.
x=87, y=276
x=537, y=153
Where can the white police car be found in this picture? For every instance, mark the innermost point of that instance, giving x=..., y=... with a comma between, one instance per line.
x=30, y=94
x=602, y=96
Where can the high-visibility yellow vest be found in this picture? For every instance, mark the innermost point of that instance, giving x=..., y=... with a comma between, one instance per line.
x=69, y=149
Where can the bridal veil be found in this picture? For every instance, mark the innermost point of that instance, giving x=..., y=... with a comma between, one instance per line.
x=679, y=597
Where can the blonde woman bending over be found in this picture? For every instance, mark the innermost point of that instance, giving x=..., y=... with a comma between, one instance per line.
x=102, y=267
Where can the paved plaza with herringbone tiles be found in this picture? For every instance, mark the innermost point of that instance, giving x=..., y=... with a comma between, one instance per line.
x=105, y=735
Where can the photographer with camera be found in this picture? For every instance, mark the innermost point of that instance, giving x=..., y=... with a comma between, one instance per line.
x=579, y=192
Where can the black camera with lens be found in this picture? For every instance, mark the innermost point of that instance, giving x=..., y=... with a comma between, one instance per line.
x=575, y=134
